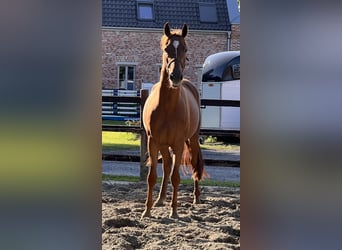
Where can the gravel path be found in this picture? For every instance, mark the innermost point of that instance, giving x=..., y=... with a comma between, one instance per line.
x=133, y=169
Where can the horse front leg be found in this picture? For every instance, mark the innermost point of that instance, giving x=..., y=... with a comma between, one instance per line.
x=175, y=179
x=167, y=162
x=151, y=177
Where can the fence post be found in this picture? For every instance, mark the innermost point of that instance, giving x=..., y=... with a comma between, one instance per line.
x=143, y=140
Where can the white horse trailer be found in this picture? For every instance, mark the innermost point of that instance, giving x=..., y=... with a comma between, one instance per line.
x=221, y=81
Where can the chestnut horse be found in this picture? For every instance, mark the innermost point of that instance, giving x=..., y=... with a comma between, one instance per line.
x=171, y=119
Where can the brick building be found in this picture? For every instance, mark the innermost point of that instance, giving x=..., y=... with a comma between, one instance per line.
x=132, y=30
x=234, y=21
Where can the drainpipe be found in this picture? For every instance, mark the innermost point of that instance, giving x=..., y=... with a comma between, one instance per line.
x=229, y=38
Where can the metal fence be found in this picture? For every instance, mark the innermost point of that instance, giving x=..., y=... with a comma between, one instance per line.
x=120, y=110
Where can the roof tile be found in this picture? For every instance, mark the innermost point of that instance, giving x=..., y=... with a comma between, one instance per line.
x=123, y=13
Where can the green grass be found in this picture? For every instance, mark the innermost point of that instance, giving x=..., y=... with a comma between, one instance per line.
x=220, y=146
x=206, y=182
x=211, y=142
x=111, y=122
x=107, y=177
x=127, y=141
x=120, y=140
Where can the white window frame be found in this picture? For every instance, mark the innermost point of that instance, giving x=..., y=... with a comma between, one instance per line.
x=124, y=84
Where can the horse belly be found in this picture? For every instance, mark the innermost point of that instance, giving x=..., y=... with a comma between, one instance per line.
x=169, y=132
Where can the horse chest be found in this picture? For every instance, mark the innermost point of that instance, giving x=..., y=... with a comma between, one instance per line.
x=168, y=120
x=167, y=127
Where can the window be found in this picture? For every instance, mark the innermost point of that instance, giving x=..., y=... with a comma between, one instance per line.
x=208, y=13
x=126, y=77
x=145, y=10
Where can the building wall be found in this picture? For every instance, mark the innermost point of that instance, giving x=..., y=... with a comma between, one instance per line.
x=235, y=37
x=142, y=48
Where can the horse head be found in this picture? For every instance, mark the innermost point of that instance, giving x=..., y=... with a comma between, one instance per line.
x=174, y=53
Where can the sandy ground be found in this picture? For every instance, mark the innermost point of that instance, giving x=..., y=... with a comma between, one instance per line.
x=214, y=224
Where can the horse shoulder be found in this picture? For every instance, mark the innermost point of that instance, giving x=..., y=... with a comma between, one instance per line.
x=151, y=106
x=191, y=87
x=153, y=97
x=155, y=86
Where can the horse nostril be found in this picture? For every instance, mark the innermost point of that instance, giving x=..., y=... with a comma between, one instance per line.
x=174, y=76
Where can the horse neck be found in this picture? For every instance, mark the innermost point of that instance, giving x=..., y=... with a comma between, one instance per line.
x=168, y=94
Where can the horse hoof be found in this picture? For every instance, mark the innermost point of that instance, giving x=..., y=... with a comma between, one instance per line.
x=173, y=215
x=159, y=203
x=146, y=214
x=197, y=201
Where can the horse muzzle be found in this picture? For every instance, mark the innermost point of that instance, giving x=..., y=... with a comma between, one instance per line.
x=176, y=79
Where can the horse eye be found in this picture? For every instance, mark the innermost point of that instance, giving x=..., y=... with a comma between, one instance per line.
x=167, y=49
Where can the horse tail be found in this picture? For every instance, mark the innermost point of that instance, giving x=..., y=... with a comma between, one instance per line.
x=186, y=159
x=196, y=165
x=199, y=170
x=148, y=161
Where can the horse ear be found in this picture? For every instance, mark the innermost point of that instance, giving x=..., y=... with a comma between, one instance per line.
x=167, y=31
x=184, y=30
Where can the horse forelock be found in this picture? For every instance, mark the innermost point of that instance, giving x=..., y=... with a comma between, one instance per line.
x=164, y=40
